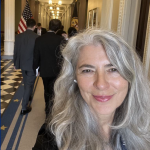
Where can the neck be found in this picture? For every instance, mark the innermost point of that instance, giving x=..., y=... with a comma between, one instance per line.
x=105, y=121
x=51, y=31
x=30, y=29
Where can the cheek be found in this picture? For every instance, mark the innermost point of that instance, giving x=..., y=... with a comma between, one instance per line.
x=122, y=87
x=84, y=83
x=120, y=83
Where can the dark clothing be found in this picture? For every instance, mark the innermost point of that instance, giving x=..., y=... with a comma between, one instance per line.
x=48, y=83
x=23, y=50
x=23, y=59
x=46, y=141
x=47, y=54
x=43, y=31
x=28, y=80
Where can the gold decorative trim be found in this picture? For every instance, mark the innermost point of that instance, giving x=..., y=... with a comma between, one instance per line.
x=146, y=40
x=120, y=17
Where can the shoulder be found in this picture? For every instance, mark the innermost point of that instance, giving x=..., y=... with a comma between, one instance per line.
x=43, y=29
x=34, y=34
x=19, y=36
x=45, y=141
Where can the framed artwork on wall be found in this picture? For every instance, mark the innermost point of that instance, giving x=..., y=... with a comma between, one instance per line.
x=90, y=22
x=95, y=17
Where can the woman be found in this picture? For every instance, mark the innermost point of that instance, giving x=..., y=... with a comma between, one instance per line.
x=101, y=96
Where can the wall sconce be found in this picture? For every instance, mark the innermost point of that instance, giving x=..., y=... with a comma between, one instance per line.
x=57, y=8
x=51, y=7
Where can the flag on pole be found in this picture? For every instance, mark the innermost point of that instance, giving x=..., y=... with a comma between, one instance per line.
x=24, y=17
x=74, y=20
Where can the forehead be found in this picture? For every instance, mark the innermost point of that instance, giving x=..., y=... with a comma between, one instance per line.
x=93, y=54
x=92, y=51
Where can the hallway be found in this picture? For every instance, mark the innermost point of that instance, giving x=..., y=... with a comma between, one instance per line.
x=19, y=132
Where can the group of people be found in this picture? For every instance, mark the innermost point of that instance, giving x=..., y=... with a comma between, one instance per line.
x=39, y=50
x=101, y=96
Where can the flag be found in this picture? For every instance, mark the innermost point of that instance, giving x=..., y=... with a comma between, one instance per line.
x=24, y=17
x=74, y=20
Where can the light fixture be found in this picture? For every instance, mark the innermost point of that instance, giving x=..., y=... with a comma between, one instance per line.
x=50, y=1
x=52, y=11
x=53, y=14
x=57, y=8
x=51, y=7
x=57, y=12
x=59, y=2
x=56, y=17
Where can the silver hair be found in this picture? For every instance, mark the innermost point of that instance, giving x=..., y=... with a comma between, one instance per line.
x=74, y=125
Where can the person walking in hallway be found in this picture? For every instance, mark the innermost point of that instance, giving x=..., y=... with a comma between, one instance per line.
x=23, y=59
x=47, y=57
x=39, y=30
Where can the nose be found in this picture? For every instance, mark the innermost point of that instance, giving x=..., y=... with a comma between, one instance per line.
x=101, y=81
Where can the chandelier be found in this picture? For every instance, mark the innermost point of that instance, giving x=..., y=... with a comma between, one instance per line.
x=50, y=1
x=55, y=9
x=59, y=2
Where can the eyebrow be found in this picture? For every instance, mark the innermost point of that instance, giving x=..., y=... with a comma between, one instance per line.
x=86, y=65
x=108, y=65
x=90, y=66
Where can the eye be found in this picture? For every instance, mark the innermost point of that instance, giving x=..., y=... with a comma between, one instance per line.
x=113, y=70
x=87, y=71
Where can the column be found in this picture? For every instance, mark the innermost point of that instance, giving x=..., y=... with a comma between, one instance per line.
x=9, y=24
x=107, y=6
x=39, y=14
x=42, y=14
x=36, y=11
x=146, y=57
x=32, y=6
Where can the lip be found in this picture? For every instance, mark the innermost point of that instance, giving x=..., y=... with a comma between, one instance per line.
x=103, y=98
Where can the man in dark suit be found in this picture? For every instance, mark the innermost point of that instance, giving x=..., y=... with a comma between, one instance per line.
x=39, y=30
x=23, y=59
x=47, y=57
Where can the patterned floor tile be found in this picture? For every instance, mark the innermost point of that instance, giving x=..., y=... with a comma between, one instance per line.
x=10, y=81
x=2, y=110
x=3, y=87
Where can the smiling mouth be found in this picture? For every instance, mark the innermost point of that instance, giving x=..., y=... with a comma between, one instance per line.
x=103, y=98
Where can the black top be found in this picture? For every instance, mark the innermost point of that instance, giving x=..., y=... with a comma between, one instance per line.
x=47, y=54
x=43, y=31
x=47, y=141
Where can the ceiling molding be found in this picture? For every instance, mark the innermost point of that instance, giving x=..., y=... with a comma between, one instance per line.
x=56, y=1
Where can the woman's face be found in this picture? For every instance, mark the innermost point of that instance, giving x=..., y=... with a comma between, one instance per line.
x=99, y=82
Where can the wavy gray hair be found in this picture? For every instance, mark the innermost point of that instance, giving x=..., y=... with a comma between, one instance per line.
x=74, y=125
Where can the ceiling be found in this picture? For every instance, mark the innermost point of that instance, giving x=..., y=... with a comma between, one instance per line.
x=66, y=2
x=54, y=5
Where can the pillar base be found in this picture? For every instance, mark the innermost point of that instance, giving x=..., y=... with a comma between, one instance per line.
x=8, y=47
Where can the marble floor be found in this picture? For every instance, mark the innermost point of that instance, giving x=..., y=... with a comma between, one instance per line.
x=10, y=81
